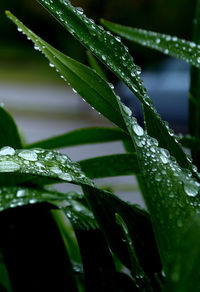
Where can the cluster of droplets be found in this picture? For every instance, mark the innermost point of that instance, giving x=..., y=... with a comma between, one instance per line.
x=117, y=57
x=186, y=50
x=157, y=162
x=41, y=162
x=11, y=197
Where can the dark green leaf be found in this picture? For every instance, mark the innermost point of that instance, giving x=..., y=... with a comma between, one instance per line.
x=99, y=270
x=169, y=45
x=170, y=192
x=112, y=165
x=80, y=137
x=94, y=64
x=8, y=131
x=97, y=92
x=190, y=142
x=184, y=273
x=137, y=272
x=114, y=54
x=104, y=206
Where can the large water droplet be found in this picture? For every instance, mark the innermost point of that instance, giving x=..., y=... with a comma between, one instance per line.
x=138, y=130
x=9, y=166
x=28, y=155
x=190, y=189
x=7, y=151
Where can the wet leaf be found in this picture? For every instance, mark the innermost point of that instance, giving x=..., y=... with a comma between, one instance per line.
x=114, y=55
x=167, y=44
x=97, y=92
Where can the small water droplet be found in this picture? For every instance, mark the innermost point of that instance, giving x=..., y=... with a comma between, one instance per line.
x=65, y=176
x=20, y=193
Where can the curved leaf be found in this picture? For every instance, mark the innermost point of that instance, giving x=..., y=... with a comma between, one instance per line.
x=97, y=92
x=80, y=137
x=98, y=265
x=94, y=64
x=167, y=44
x=111, y=165
x=114, y=54
x=8, y=130
x=170, y=192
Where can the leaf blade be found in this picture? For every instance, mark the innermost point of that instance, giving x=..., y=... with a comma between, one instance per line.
x=167, y=44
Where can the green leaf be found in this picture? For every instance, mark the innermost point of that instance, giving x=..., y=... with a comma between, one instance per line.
x=8, y=130
x=98, y=265
x=170, y=191
x=184, y=273
x=94, y=64
x=115, y=56
x=136, y=269
x=12, y=197
x=167, y=44
x=105, y=206
x=38, y=166
x=80, y=137
x=111, y=165
x=190, y=142
x=97, y=92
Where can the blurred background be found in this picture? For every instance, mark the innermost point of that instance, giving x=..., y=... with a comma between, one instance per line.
x=43, y=105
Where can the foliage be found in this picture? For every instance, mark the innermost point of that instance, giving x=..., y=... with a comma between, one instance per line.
x=96, y=241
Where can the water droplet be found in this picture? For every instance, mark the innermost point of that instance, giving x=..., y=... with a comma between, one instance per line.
x=157, y=40
x=7, y=150
x=127, y=110
x=138, y=130
x=9, y=166
x=198, y=60
x=51, y=65
x=36, y=48
x=65, y=176
x=55, y=170
x=190, y=189
x=20, y=193
x=79, y=10
x=158, y=177
x=28, y=155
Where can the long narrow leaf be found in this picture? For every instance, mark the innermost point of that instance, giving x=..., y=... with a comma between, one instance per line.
x=9, y=134
x=111, y=165
x=114, y=54
x=97, y=92
x=98, y=265
x=170, y=191
x=167, y=44
x=80, y=137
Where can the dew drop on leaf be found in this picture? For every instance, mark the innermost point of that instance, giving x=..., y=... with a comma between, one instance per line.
x=7, y=150
x=138, y=130
x=190, y=189
x=9, y=166
x=28, y=155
